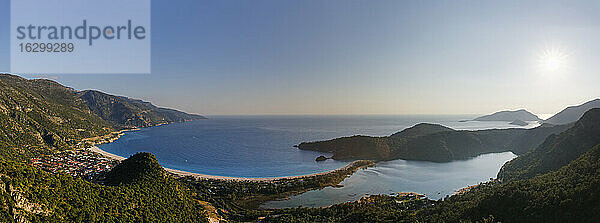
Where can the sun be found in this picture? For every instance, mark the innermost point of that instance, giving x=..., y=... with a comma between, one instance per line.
x=553, y=60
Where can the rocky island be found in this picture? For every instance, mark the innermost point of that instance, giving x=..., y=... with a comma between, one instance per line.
x=510, y=116
x=321, y=158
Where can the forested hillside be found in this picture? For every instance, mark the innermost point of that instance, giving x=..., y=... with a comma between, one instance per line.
x=41, y=117
x=125, y=112
x=433, y=142
x=36, y=114
x=557, y=150
x=33, y=195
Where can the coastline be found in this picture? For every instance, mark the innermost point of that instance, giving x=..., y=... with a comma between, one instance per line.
x=181, y=173
x=108, y=138
x=105, y=154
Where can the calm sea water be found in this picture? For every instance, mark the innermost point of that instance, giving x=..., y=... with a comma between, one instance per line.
x=435, y=180
x=262, y=146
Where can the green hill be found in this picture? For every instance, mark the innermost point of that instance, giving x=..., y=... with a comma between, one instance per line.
x=420, y=130
x=33, y=195
x=43, y=113
x=433, y=142
x=40, y=117
x=557, y=150
x=510, y=116
x=137, y=168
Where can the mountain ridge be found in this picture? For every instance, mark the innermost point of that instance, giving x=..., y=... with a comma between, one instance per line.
x=41, y=118
x=509, y=116
x=126, y=112
x=567, y=193
x=43, y=113
x=572, y=113
x=556, y=150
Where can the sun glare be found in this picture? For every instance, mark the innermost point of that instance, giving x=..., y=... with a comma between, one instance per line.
x=553, y=60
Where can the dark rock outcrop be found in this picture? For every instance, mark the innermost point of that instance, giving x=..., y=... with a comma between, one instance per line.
x=321, y=158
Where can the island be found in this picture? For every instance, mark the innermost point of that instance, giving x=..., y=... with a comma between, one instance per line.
x=321, y=158
x=509, y=116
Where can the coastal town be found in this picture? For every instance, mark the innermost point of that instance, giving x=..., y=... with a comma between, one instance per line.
x=77, y=163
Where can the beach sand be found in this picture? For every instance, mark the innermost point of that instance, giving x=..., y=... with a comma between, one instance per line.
x=182, y=173
x=106, y=154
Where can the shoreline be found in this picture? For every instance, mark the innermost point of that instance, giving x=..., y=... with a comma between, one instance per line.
x=181, y=173
x=108, y=138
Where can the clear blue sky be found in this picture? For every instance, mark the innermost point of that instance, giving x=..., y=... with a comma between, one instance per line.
x=359, y=57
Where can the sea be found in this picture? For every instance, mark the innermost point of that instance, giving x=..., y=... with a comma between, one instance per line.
x=263, y=146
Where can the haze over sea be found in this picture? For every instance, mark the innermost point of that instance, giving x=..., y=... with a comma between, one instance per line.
x=262, y=146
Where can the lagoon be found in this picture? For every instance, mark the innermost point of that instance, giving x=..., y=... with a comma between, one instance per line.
x=435, y=180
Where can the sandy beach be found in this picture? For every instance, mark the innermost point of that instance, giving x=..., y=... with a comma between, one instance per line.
x=182, y=173
x=106, y=154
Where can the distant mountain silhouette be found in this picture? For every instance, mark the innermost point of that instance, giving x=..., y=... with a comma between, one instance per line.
x=510, y=116
x=573, y=113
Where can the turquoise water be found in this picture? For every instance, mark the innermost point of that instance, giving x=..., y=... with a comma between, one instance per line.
x=262, y=146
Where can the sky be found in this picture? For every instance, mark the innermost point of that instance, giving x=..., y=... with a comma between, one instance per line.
x=359, y=57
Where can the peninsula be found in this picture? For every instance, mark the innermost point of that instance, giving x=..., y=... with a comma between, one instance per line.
x=433, y=142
